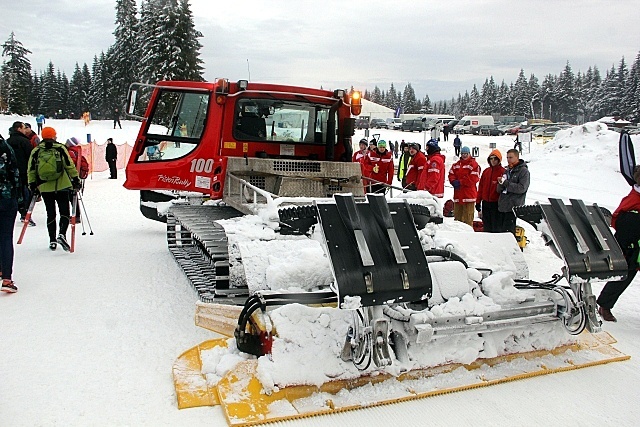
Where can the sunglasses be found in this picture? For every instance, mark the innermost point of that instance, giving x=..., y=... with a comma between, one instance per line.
x=493, y=158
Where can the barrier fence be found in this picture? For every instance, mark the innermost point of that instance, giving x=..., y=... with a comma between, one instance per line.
x=95, y=155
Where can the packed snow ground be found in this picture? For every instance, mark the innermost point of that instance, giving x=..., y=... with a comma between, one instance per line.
x=90, y=337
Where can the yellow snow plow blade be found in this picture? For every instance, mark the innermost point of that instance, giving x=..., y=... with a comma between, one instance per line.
x=245, y=403
x=191, y=385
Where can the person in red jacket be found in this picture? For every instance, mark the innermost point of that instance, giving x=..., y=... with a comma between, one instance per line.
x=416, y=167
x=464, y=176
x=487, y=200
x=359, y=156
x=626, y=221
x=433, y=177
x=380, y=163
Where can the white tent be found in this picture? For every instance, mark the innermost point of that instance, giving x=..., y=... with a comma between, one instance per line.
x=376, y=111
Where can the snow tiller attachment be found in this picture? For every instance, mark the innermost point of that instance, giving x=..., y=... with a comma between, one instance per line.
x=413, y=307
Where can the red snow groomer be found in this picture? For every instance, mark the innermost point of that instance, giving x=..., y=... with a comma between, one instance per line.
x=267, y=217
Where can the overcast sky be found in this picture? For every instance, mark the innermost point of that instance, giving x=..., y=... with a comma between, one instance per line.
x=440, y=47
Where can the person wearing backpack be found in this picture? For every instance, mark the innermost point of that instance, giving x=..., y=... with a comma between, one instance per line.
x=53, y=175
x=81, y=164
x=10, y=200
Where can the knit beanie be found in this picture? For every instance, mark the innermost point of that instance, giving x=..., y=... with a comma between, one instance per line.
x=382, y=143
x=48, y=133
x=72, y=142
x=466, y=150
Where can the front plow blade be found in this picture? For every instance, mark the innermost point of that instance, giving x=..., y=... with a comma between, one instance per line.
x=245, y=403
x=191, y=385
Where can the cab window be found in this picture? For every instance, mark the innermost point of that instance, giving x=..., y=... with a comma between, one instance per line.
x=283, y=121
x=176, y=124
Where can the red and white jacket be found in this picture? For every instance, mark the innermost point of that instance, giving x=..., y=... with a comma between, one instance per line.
x=416, y=169
x=433, y=177
x=630, y=202
x=379, y=166
x=467, y=172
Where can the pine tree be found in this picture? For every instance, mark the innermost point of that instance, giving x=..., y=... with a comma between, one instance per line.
x=76, y=94
x=63, y=84
x=503, y=99
x=631, y=100
x=409, y=100
x=86, y=87
x=474, y=101
x=50, y=92
x=392, y=98
x=124, y=53
x=188, y=61
x=35, y=94
x=520, y=96
x=426, y=105
x=16, y=76
x=376, y=95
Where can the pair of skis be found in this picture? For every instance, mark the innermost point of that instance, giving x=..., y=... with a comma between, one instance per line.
x=74, y=205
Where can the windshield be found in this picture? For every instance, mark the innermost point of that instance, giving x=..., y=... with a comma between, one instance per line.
x=176, y=124
x=276, y=120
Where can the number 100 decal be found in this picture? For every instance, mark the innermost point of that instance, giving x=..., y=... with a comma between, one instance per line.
x=201, y=165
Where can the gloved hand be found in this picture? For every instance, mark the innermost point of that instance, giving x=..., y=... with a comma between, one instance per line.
x=33, y=187
x=478, y=207
x=456, y=184
x=77, y=185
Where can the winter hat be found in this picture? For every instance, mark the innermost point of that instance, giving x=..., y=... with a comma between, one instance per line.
x=372, y=142
x=636, y=174
x=496, y=153
x=466, y=150
x=48, y=133
x=432, y=146
x=72, y=142
x=363, y=141
x=382, y=143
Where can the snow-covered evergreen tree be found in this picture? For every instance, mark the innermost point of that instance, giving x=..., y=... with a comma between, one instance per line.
x=409, y=100
x=50, y=92
x=520, y=96
x=376, y=95
x=474, y=101
x=631, y=100
x=392, y=100
x=123, y=57
x=76, y=94
x=426, y=105
x=16, y=76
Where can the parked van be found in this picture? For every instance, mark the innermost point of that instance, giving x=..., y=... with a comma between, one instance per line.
x=465, y=123
x=394, y=123
x=411, y=125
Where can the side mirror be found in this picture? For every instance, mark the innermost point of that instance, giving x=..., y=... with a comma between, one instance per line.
x=133, y=95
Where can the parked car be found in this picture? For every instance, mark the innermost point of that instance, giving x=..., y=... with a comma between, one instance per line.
x=550, y=131
x=411, y=125
x=491, y=130
x=394, y=124
x=378, y=124
x=362, y=124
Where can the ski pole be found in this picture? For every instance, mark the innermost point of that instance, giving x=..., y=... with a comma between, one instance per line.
x=27, y=217
x=74, y=203
x=86, y=217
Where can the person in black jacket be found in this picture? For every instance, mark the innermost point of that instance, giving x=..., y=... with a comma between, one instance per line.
x=111, y=156
x=22, y=147
x=10, y=201
x=116, y=118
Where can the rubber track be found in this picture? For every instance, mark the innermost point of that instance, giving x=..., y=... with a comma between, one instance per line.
x=200, y=247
